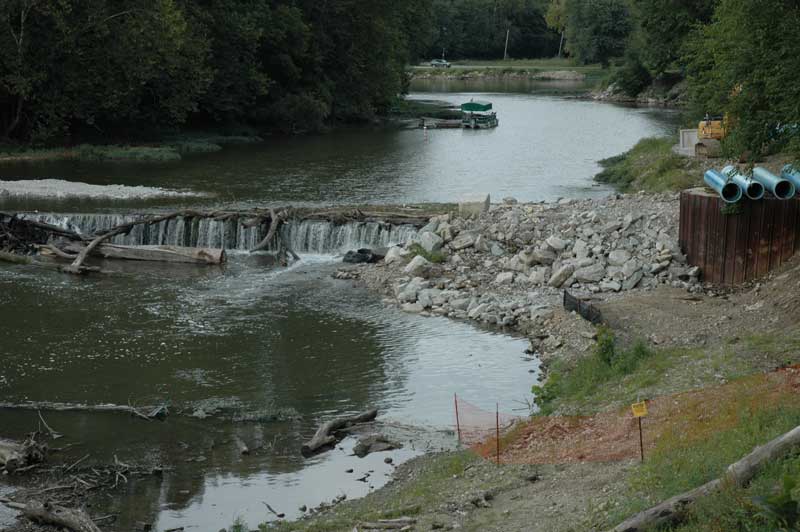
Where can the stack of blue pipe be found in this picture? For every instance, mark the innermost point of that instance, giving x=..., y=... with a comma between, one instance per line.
x=732, y=185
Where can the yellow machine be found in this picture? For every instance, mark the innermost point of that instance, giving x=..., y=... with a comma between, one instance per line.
x=710, y=133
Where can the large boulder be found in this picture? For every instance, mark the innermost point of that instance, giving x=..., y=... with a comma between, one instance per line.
x=555, y=243
x=362, y=256
x=430, y=242
x=561, y=275
x=395, y=254
x=539, y=275
x=591, y=274
x=418, y=266
x=619, y=257
x=504, y=278
x=464, y=240
x=543, y=256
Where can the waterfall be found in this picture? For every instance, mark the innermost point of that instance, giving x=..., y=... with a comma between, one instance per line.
x=309, y=236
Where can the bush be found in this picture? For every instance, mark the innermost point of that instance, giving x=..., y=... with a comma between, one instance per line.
x=435, y=257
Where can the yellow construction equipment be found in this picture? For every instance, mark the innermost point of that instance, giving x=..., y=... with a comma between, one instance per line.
x=710, y=133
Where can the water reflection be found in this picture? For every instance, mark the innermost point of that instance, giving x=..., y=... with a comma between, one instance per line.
x=248, y=340
x=545, y=147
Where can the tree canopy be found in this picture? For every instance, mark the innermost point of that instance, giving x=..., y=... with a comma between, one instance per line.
x=77, y=68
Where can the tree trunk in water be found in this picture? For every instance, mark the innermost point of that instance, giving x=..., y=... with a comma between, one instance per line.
x=273, y=228
x=177, y=254
x=324, y=436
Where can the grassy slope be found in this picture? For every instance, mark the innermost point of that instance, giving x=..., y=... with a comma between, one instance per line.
x=706, y=436
x=652, y=166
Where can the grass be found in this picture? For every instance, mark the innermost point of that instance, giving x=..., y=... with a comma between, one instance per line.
x=434, y=257
x=589, y=374
x=652, y=166
x=697, y=448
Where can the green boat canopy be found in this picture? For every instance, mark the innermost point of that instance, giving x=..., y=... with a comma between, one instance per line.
x=476, y=106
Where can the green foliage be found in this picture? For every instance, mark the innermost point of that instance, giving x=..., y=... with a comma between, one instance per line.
x=651, y=165
x=98, y=69
x=435, y=257
x=608, y=362
x=597, y=30
x=476, y=29
x=238, y=526
x=782, y=508
x=742, y=64
x=664, y=25
x=632, y=78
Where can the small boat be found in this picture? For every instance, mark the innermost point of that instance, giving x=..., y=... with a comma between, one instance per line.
x=478, y=115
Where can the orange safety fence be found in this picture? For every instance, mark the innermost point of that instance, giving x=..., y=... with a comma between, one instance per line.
x=482, y=430
x=613, y=435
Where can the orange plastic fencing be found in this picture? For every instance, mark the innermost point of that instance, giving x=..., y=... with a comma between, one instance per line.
x=483, y=430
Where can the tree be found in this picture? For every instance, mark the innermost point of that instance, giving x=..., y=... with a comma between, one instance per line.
x=664, y=26
x=597, y=30
x=743, y=64
x=556, y=18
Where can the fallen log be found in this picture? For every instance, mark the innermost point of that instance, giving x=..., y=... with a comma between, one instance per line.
x=275, y=222
x=177, y=254
x=738, y=474
x=77, y=265
x=53, y=514
x=157, y=412
x=325, y=437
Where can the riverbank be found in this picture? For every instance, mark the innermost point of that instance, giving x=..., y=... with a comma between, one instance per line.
x=674, y=355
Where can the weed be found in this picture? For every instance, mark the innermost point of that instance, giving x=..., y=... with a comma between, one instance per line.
x=608, y=362
x=435, y=256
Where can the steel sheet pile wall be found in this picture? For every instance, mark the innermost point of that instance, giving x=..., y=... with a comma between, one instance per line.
x=734, y=247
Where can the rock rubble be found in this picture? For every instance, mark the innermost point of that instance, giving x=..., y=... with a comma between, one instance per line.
x=507, y=265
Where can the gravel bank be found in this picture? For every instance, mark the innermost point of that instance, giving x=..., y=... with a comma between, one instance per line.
x=60, y=189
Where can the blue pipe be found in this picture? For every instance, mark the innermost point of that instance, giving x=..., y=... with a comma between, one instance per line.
x=791, y=173
x=780, y=188
x=752, y=189
x=729, y=191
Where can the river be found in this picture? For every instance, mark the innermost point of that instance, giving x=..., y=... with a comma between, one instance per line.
x=247, y=341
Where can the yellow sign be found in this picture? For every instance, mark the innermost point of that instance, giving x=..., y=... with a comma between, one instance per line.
x=639, y=409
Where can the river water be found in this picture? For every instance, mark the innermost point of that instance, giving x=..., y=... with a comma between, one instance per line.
x=247, y=341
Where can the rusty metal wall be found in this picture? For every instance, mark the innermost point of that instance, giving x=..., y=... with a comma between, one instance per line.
x=731, y=248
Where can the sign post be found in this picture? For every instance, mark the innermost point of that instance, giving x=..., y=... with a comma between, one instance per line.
x=640, y=411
